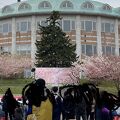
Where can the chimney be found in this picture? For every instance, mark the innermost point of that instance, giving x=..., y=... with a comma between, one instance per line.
x=18, y=0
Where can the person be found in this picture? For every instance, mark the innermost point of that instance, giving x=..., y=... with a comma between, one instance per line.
x=89, y=92
x=68, y=105
x=57, y=107
x=102, y=108
x=80, y=104
x=18, y=115
x=9, y=104
x=39, y=99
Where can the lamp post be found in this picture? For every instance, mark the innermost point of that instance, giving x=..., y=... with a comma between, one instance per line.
x=33, y=71
x=1, y=49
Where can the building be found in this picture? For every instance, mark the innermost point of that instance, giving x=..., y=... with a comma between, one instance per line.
x=93, y=26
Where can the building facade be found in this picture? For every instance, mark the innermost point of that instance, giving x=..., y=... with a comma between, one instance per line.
x=93, y=26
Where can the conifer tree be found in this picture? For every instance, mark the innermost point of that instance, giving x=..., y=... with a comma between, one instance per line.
x=54, y=48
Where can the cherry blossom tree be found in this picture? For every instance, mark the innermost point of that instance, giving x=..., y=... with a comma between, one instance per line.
x=103, y=68
x=11, y=66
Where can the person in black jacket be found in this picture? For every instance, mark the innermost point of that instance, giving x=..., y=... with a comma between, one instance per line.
x=80, y=104
x=68, y=105
x=9, y=104
x=57, y=106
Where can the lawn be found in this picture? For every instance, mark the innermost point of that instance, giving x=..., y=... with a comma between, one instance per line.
x=17, y=85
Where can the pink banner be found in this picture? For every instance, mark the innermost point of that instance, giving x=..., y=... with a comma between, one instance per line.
x=55, y=75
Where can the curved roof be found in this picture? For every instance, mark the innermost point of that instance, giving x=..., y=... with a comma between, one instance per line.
x=64, y=6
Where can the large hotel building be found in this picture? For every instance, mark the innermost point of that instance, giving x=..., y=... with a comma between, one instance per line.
x=93, y=26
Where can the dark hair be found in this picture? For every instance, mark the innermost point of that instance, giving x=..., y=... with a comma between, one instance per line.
x=55, y=89
x=34, y=92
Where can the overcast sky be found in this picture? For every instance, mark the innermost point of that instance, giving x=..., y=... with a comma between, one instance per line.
x=113, y=3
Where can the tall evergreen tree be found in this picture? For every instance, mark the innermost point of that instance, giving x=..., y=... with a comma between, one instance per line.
x=54, y=49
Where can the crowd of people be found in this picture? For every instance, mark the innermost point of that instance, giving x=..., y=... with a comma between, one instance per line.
x=61, y=103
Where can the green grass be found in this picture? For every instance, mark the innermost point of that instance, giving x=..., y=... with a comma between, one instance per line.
x=105, y=85
x=17, y=85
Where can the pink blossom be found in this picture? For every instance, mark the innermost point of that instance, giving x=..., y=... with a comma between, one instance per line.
x=13, y=65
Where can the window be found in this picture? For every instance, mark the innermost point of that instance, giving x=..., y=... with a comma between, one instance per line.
x=83, y=49
x=66, y=25
x=95, y=50
x=44, y=23
x=23, y=26
x=24, y=7
x=108, y=50
x=27, y=73
x=10, y=28
x=103, y=27
x=17, y=27
x=0, y=28
x=89, y=50
x=94, y=25
x=7, y=9
x=73, y=25
x=113, y=50
x=107, y=27
x=88, y=26
x=7, y=49
x=103, y=50
x=107, y=7
x=87, y=5
x=112, y=28
x=29, y=26
x=24, y=49
x=82, y=25
x=44, y=4
x=66, y=4
x=5, y=28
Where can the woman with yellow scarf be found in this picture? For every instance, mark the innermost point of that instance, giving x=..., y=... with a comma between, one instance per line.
x=40, y=99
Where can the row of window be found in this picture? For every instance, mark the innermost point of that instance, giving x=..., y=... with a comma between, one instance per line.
x=46, y=4
x=88, y=26
x=90, y=50
x=66, y=25
x=6, y=49
x=23, y=49
x=108, y=50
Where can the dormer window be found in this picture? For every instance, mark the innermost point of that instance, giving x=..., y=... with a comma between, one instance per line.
x=107, y=7
x=24, y=7
x=7, y=9
x=66, y=4
x=45, y=4
x=87, y=5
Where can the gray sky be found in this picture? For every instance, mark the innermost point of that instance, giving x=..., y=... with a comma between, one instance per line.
x=113, y=3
